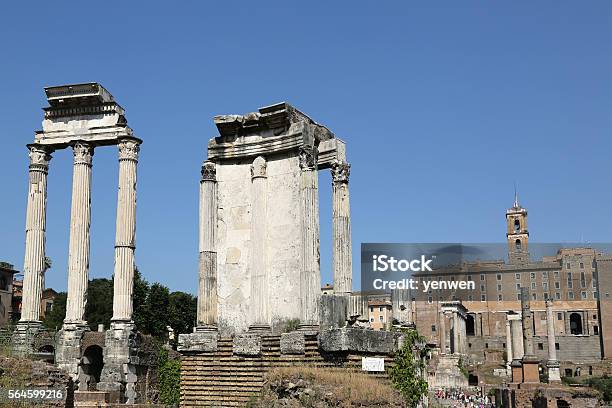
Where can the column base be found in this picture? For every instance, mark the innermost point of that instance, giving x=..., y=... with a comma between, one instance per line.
x=120, y=360
x=309, y=328
x=531, y=369
x=260, y=328
x=517, y=371
x=554, y=372
x=68, y=354
x=205, y=328
x=23, y=337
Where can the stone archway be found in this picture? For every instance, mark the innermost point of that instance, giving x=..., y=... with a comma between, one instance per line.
x=91, y=365
x=575, y=323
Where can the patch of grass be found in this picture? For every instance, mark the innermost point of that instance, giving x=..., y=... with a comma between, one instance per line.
x=348, y=389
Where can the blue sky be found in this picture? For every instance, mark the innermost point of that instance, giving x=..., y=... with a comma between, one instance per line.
x=444, y=105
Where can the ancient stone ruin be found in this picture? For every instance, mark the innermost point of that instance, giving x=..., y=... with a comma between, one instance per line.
x=83, y=117
x=259, y=259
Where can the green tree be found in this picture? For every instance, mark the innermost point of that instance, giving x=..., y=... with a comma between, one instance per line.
x=141, y=290
x=408, y=370
x=99, y=307
x=55, y=317
x=182, y=310
x=156, y=310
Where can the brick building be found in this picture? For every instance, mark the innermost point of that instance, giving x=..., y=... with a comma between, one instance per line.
x=578, y=280
x=6, y=292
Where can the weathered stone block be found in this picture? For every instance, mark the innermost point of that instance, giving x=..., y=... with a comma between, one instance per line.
x=355, y=339
x=292, y=343
x=247, y=344
x=199, y=341
x=332, y=311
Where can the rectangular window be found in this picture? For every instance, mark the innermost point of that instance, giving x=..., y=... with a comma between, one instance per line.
x=567, y=265
x=517, y=276
x=533, y=285
x=499, y=287
x=380, y=308
x=532, y=275
x=371, y=308
x=583, y=295
x=534, y=296
x=545, y=285
x=499, y=297
x=594, y=279
x=433, y=327
x=430, y=299
x=557, y=346
x=556, y=273
x=570, y=295
x=518, y=286
x=469, y=277
x=546, y=296
x=381, y=318
x=595, y=295
x=595, y=330
x=559, y=316
x=483, y=298
x=557, y=285
x=499, y=277
x=582, y=280
x=545, y=275
x=581, y=265
x=557, y=296
x=540, y=346
x=482, y=277
x=570, y=284
x=518, y=296
x=482, y=288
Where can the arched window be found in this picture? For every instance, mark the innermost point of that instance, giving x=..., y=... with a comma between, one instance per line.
x=575, y=323
x=518, y=244
x=517, y=225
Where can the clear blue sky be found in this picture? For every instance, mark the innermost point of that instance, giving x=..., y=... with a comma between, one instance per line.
x=444, y=105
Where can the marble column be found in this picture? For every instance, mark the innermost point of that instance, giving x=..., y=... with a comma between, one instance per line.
x=517, y=339
x=552, y=364
x=207, y=287
x=342, y=256
x=442, y=333
x=310, y=276
x=456, y=330
x=80, y=219
x=259, y=270
x=508, y=345
x=36, y=219
x=125, y=239
x=530, y=361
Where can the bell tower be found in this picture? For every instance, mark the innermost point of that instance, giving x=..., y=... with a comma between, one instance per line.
x=517, y=234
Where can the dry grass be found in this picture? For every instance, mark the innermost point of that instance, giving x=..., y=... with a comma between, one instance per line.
x=340, y=387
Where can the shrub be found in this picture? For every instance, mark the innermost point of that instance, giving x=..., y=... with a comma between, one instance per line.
x=407, y=373
x=169, y=379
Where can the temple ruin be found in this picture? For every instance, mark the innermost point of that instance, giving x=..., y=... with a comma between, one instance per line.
x=83, y=117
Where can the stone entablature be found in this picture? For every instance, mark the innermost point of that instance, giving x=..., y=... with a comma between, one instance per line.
x=82, y=112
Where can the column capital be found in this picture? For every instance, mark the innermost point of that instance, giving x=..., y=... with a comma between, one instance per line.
x=308, y=157
x=259, y=168
x=340, y=171
x=83, y=153
x=40, y=156
x=209, y=171
x=128, y=149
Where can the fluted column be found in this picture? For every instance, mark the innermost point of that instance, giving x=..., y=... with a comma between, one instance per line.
x=80, y=219
x=125, y=239
x=310, y=276
x=342, y=255
x=207, y=287
x=552, y=364
x=259, y=278
x=442, y=333
x=508, y=345
x=34, y=263
x=456, y=333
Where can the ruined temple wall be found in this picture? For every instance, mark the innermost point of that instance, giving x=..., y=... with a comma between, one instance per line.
x=234, y=241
